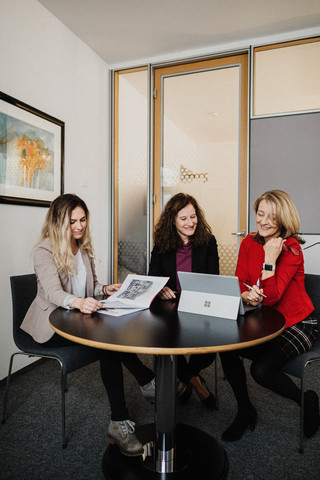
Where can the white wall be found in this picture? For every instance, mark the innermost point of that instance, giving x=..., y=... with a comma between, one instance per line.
x=45, y=65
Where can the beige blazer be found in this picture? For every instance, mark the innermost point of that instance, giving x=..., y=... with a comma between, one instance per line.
x=53, y=288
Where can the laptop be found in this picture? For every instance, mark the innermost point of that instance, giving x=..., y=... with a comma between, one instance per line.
x=214, y=295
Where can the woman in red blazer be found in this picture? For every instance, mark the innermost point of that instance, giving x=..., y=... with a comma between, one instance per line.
x=271, y=261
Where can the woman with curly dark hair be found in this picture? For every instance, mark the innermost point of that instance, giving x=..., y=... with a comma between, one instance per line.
x=183, y=241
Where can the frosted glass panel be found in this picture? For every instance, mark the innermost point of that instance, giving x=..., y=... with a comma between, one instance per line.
x=132, y=174
x=287, y=79
x=201, y=149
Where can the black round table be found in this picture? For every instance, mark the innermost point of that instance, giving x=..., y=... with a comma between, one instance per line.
x=172, y=452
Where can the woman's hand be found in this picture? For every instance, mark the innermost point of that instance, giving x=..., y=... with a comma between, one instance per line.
x=253, y=296
x=272, y=249
x=87, y=305
x=111, y=289
x=166, y=294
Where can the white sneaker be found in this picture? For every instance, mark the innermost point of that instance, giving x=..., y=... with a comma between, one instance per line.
x=121, y=433
x=149, y=390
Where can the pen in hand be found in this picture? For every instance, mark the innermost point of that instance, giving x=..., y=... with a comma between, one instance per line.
x=251, y=288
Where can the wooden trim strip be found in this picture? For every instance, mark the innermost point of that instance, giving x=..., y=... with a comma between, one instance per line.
x=165, y=351
x=131, y=70
x=116, y=177
x=286, y=44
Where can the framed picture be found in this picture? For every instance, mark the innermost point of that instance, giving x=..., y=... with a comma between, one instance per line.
x=31, y=154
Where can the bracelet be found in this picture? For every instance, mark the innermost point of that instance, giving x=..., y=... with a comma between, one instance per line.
x=104, y=289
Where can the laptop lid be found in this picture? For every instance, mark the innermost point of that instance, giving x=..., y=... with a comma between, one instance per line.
x=207, y=294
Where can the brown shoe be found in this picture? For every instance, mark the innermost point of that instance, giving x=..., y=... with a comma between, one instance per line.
x=205, y=396
x=121, y=433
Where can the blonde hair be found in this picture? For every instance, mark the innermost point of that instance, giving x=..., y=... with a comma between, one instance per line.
x=57, y=229
x=285, y=216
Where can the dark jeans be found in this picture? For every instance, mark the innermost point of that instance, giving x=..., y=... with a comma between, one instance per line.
x=112, y=373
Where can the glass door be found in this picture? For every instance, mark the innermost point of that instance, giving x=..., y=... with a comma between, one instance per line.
x=200, y=142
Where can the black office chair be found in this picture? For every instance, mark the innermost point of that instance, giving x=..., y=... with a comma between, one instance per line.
x=24, y=289
x=297, y=367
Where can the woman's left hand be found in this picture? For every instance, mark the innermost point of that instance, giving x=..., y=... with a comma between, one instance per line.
x=272, y=249
x=111, y=289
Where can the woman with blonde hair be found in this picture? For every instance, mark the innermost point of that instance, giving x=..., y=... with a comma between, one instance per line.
x=66, y=277
x=271, y=261
x=183, y=241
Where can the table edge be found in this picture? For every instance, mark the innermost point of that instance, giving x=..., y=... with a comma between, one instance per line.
x=166, y=350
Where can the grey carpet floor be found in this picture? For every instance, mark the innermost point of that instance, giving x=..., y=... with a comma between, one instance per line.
x=30, y=440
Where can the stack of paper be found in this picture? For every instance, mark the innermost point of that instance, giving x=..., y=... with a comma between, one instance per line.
x=136, y=293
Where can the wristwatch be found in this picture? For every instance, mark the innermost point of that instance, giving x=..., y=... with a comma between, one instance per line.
x=267, y=266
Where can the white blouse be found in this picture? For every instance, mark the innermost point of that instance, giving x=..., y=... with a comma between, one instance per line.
x=78, y=282
x=79, y=279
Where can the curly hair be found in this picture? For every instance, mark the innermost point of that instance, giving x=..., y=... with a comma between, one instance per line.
x=57, y=229
x=286, y=214
x=165, y=234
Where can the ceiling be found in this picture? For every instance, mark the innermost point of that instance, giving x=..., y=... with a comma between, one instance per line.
x=127, y=31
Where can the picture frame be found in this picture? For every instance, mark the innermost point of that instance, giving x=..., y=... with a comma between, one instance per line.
x=31, y=154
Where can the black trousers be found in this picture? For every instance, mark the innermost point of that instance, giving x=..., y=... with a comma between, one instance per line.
x=112, y=374
x=267, y=362
x=186, y=370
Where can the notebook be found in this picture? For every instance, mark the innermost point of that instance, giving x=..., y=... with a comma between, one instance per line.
x=214, y=295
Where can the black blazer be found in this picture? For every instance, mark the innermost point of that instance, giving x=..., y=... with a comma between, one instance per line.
x=204, y=260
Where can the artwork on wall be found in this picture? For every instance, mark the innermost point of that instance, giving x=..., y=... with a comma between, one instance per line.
x=31, y=154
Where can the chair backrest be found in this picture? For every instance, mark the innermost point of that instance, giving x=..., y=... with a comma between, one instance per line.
x=312, y=283
x=23, y=292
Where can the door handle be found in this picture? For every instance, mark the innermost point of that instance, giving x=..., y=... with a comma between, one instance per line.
x=240, y=234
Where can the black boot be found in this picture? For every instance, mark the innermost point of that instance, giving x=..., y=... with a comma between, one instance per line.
x=247, y=418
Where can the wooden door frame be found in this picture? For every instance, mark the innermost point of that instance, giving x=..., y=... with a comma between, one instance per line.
x=242, y=59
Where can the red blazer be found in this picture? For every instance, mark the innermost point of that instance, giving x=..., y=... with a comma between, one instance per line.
x=285, y=290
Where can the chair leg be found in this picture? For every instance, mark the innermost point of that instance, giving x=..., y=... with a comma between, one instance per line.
x=301, y=416
x=216, y=381
x=63, y=408
x=63, y=390
x=6, y=394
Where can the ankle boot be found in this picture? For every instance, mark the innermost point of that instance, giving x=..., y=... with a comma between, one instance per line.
x=247, y=418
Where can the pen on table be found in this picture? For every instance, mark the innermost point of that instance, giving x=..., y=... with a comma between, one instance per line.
x=251, y=288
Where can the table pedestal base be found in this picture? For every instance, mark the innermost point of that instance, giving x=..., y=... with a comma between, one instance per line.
x=199, y=456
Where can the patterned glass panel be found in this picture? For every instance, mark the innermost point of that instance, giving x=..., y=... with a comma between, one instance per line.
x=132, y=173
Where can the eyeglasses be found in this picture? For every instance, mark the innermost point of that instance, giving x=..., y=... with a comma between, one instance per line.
x=317, y=243
x=293, y=250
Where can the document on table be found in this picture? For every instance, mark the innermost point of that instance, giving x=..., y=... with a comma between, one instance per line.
x=118, y=312
x=136, y=293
